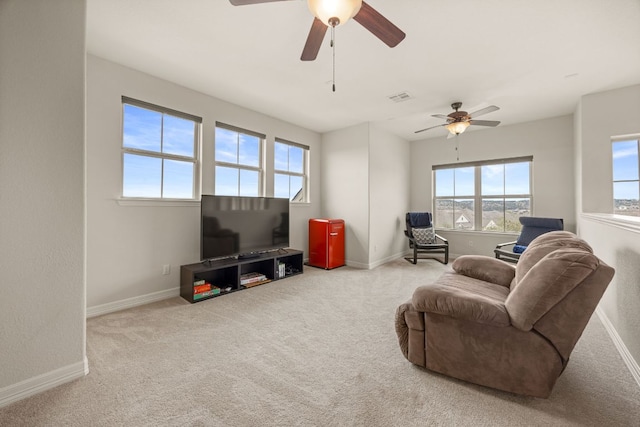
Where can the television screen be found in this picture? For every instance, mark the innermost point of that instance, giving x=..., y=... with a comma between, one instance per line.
x=240, y=226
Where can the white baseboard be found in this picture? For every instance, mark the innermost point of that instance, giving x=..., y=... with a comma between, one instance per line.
x=40, y=383
x=622, y=349
x=372, y=265
x=111, y=307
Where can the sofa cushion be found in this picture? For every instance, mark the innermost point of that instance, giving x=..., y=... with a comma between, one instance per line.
x=485, y=268
x=464, y=297
x=544, y=245
x=547, y=283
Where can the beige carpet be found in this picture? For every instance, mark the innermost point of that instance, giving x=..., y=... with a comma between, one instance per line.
x=317, y=349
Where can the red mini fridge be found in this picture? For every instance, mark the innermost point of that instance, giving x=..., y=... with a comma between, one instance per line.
x=326, y=243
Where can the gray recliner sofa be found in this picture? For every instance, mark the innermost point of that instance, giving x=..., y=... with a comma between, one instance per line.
x=507, y=327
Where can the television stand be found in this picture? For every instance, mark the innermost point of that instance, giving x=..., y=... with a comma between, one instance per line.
x=249, y=256
x=225, y=273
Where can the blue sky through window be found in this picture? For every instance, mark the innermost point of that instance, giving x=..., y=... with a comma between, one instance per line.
x=626, y=174
x=288, y=158
x=159, y=134
x=626, y=185
x=243, y=150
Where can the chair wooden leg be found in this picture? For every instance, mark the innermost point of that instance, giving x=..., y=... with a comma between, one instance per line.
x=415, y=254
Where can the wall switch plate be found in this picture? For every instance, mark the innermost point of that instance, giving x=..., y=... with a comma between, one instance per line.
x=166, y=269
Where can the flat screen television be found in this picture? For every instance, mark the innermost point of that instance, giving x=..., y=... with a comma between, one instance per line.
x=242, y=226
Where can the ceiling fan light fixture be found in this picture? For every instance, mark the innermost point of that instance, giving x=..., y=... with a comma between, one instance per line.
x=334, y=12
x=457, y=128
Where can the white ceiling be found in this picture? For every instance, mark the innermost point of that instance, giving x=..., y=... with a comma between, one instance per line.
x=533, y=59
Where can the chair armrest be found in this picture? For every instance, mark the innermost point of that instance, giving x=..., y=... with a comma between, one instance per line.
x=502, y=245
x=485, y=268
x=442, y=238
x=459, y=304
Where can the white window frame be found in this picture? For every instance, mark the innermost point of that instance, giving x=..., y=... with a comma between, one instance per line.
x=478, y=197
x=305, y=170
x=240, y=166
x=164, y=156
x=627, y=138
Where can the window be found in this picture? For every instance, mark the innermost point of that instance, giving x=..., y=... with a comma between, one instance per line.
x=626, y=182
x=159, y=149
x=238, y=161
x=488, y=196
x=290, y=170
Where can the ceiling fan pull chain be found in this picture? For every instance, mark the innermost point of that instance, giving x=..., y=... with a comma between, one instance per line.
x=333, y=49
x=457, y=151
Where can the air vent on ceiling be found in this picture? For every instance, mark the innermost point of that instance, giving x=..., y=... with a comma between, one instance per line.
x=400, y=97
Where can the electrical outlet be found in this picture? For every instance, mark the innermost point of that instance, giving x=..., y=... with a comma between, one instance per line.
x=166, y=269
x=470, y=242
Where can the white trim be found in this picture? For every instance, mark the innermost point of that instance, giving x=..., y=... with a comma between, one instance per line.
x=628, y=223
x=622, y=349
x=132, y=201
x=43, y=382
x=387, y=259
x=356, y=264
x=111, y=307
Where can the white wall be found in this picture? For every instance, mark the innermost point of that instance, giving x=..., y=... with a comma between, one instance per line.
x=365, y=181
x=603, y=115
x=549, y=141
x=388, y=196
x=345, y=184
x=128, y=245
x=42, y=307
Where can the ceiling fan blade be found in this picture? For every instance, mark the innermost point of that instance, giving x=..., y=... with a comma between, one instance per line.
x=440, y=116
x=314, y=40
x=432, y=127
x=246, y=2
x=491, y=123
x=485, y=110
x=380, y=26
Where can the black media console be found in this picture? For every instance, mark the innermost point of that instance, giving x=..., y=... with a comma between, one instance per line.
x=225, y=274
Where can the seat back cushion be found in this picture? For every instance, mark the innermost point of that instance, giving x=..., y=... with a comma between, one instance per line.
x=424, y=235
x=547, y=283
x=533, y=227
x=418, y=219
x=544, y=245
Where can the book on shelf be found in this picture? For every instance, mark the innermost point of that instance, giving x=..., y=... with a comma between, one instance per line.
x=249, y=278
x=259, y=282
x=198, y=289
x=213, y=291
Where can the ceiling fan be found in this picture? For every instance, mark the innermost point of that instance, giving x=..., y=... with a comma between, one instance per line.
x=331, y=13
x=459, y=121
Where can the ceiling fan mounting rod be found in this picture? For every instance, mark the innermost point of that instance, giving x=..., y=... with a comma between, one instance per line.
x=333, y=52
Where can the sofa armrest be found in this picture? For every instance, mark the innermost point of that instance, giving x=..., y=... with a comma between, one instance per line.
x=485, y=268
x=459, y=304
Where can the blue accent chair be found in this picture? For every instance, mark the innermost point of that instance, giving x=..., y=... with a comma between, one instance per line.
x=532, y=227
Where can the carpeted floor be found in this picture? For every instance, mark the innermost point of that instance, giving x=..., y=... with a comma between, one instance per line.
x=318, y=349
